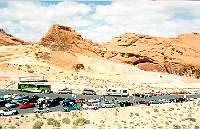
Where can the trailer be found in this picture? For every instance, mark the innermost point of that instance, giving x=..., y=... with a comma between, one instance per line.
x=117, y=92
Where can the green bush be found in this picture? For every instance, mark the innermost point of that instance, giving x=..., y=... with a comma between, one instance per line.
x=196, y=127
x=12, y=127
x=38, y=125
x=81, y=122
x=52, y=121
x=156, y=110
x=66, y=120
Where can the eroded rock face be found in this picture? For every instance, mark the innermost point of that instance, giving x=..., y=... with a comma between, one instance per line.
x=63, y=38
x=8, y=39
x=180, y=55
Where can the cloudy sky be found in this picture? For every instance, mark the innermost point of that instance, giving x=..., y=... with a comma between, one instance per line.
x=99, y=20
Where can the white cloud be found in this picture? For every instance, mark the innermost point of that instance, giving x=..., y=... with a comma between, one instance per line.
x=30, y=20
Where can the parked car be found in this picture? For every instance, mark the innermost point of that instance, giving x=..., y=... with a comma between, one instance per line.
x=65, y=91
x=88, y=92
x=146, y=102
x=78, y=100
x=163, y=101
x=54, y=102
x=180, y=100
x=94, y=106
x=11, y=105
x=33, y=99
x=8, y=112
x=125, y=104
x=107, y=104
x=26, y=105
x=69, y=105
x=155, y=101
x=2, y=103
x=39, y=109
x=21, y=96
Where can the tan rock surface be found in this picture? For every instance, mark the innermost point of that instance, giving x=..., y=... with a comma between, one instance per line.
x=7, y=39
x=180, y=55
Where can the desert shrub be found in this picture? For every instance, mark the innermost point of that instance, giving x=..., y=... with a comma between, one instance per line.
x=171, y=109
x=137, y=114
x=1, y=127
x=17, y=123
x=131, y=114
x=81, y=122
x=156, y=110
x=148, y=112
x=191, y=119
x=66, y=120
x=38, y=125
x=52, y=121
x=196, y=127
x=176, y=127
x=12, y=127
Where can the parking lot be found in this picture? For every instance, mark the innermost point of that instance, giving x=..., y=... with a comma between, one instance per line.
x=112, y=99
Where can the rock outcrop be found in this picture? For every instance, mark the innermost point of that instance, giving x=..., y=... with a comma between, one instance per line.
x=63, y=38
x=180, y=55
x=8, y=39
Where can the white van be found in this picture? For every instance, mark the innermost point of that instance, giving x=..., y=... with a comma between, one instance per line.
x=117, y=92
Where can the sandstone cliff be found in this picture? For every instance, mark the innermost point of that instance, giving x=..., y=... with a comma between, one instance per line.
x=63, y=38
x=179, y=55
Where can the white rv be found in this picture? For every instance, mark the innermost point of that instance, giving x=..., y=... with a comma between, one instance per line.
x=117, y=92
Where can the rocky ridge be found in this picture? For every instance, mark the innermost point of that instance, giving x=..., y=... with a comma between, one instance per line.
x=9, y=40
x=179, y=55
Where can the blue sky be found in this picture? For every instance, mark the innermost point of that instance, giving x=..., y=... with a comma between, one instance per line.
x=99, y=20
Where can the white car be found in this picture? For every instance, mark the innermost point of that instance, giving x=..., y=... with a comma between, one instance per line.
x=107, y=104
x=41, y=109
x=90, y=106
x=8, y=112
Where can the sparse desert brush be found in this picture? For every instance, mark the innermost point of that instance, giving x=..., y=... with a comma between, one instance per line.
x=12, y=127
x=137, y=114
x=131, y=114
x=66, y=120
x=1, y=127
x=54, y=122
x=171, y=109
x=176, y=127
x=38, y=125
x=17, y=123
x=156, y=110
x=196, y=127
x=81, y=122
x=148, y=112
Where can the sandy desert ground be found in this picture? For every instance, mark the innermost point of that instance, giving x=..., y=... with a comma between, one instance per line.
x=166, y=116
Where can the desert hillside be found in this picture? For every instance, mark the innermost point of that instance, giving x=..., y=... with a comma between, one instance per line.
x=179, y=55
x=68, y=60
x=167, y=116
x=8, y=40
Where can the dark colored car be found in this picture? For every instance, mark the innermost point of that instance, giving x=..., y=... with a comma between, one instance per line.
x=146, y=102
x=125, y=104
x=33, y=99
x=54, y=102
x=2, y=103
x=88, y=92
x=180, y=100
